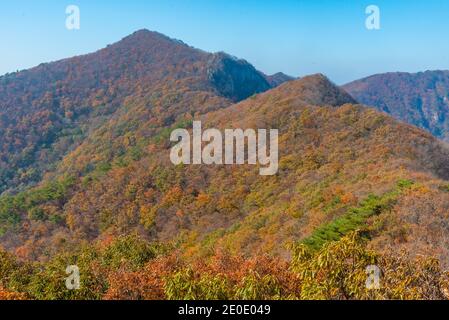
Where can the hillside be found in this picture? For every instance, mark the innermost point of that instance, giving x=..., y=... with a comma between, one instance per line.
x=331, y=159
x=45, y=112
x=355, y=187
x=420, y=98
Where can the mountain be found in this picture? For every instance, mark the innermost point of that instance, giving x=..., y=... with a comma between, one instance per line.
x=278, y=79
x=421, y=99
x=235, y=78
x=333, y=155
x=47, y=111
x=354, y=187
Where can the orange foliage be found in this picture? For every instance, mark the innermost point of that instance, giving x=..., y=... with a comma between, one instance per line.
x=8, y=295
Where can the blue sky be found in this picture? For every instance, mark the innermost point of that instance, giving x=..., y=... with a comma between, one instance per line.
x=296, y=37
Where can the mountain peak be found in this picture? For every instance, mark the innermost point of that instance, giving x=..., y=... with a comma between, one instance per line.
x=317, y=77
x=149, y=37
x=317, y=89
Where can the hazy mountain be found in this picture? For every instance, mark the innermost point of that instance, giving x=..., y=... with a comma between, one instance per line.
x=421, y=99
x=278, y=79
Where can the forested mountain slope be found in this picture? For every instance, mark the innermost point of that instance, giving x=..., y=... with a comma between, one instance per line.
x=47, y=111
x=421, y=99
x=334, y=155
x=351, y=180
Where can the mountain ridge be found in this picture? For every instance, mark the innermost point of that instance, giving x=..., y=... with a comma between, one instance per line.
x=354, y=187
x=333, y=152
x=55, y=105
x=421, y=99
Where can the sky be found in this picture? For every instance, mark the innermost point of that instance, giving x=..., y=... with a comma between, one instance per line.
x=296, y=37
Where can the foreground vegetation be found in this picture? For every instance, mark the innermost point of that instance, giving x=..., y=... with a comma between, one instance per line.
x=131, y=268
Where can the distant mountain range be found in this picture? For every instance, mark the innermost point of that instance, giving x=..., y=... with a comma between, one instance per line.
x=421, y=99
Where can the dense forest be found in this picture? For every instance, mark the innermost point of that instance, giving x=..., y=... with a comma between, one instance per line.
x=87, y=181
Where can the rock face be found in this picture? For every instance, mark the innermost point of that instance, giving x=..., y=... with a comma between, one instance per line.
x=421, y=99
x=234, y=78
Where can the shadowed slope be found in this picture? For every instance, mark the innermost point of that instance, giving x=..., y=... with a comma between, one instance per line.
x=420, y=99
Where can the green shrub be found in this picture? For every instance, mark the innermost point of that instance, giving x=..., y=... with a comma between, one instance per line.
x=355, y=217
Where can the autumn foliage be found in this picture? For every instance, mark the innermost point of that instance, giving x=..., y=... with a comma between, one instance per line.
x=86, y=180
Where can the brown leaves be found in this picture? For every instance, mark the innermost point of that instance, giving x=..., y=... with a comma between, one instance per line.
x=146, y=284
